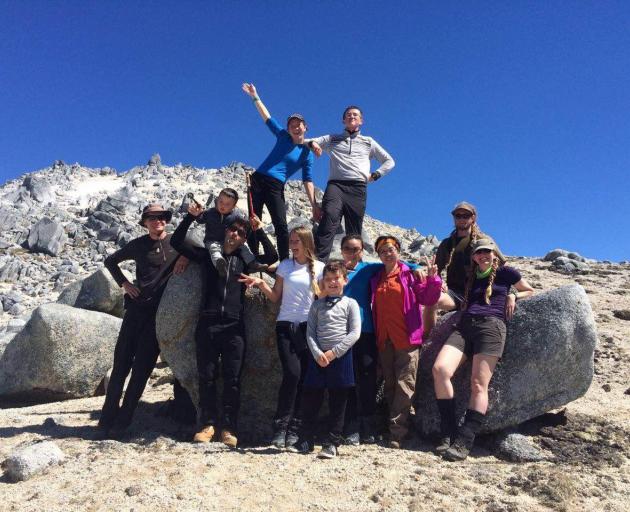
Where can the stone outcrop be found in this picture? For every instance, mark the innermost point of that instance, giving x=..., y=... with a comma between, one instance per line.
x=98, y=292
x=46, y=236
x=176, y=323
x=547, y=363
x=62, y=352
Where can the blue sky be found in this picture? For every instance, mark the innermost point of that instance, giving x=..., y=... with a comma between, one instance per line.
x=522, y=108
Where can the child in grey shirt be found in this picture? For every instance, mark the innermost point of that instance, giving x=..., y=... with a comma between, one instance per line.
x=334, y=325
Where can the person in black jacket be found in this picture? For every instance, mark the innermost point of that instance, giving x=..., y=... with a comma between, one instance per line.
x=137, y=347
x=220, y=330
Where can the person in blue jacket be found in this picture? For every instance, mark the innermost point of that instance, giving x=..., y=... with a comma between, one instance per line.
x=359, y=423
x=288, y=156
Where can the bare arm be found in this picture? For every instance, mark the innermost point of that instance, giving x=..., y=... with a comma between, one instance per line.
x=309, y=188
x=523, y=290
x=250, y=90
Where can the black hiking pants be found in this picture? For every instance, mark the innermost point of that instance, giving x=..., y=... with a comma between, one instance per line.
x=341, y=198
x=220, y=339
x=136, y=351
x=362, y=398
x=268, y=191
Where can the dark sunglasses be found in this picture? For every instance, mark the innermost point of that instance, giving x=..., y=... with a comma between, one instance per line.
x=155, y=217
x=352, y=250
x=240, y=231
x=462, y=215
x=483, y=251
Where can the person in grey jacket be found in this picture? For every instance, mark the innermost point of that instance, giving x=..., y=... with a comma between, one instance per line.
x=334, y=325
x=346, y=192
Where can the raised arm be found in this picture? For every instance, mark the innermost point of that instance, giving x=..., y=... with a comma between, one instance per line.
x=178, y=240
x=428, y=291
x=269, y=255
x=250, y=90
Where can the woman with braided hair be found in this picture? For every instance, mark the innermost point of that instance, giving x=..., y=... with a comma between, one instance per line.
x=296, y=287
x=453, y=256
x=480, y=335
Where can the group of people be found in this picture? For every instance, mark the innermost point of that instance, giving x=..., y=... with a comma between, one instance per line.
x=341, y=323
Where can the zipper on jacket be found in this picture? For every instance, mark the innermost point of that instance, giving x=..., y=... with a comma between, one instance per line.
x=227, y=276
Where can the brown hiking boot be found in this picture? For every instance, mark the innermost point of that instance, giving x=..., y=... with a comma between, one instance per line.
x=228, y=438
x=205, y=435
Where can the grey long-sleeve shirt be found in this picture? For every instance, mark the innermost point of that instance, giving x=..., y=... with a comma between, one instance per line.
x=350, y=155
x=334, y=328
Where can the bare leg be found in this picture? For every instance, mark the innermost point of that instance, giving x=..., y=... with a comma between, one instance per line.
x=482, y=369
x=445, y=366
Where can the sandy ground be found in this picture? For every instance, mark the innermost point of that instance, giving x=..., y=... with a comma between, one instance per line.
x=156, y=468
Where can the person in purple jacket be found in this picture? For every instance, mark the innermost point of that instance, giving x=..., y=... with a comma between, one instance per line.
x=479, y=335
x=397, y=296
x=288, y=156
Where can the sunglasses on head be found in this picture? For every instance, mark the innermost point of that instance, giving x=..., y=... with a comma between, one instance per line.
x=462, y=215
x=240, y=231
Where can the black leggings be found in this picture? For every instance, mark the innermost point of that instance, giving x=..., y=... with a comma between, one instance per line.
x=136, y=351
x=294, y=355
x=312, y=400
x=267, y=191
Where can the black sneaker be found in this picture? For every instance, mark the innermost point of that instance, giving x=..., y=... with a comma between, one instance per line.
x=301, y=446
x=279, y=439
x=352, y=439
x=328, y=451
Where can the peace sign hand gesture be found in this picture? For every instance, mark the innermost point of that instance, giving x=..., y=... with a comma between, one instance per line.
x=432, y=269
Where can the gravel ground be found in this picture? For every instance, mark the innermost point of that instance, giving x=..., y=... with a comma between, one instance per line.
x=156, y=468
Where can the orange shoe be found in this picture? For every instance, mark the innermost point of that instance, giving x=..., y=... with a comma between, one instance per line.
x=205, y=435
x=228, y=438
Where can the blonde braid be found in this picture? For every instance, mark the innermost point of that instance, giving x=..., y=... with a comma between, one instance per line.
x=493, y=274
x=311, y=270
x=474, y=232
x=469, y=283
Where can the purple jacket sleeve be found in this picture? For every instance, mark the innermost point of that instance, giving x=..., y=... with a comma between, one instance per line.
x=428, y=293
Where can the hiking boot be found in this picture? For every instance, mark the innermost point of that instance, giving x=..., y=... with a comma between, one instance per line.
x=279, y=439
x=394, y=444
x=228, y=438
x=443, y=445
x=352, y=439
x=205, y=435
x=465, y=439
x=291, y=439
x=460, y=448
x=254, y=266
x=328, y=451
x=221, y=265
x=301, y=446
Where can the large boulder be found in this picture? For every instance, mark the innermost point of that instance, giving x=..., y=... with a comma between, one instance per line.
x=176, y=322
x=46, y=236
x=62, y=352
x=97, y=292
x=547, y=362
